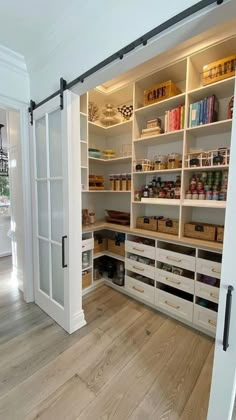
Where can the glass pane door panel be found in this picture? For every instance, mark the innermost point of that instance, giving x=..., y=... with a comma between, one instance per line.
x=44, y=266
x=56, y=210
x=55, y=143
x=57, y=275
x=42, y=189
x=41, y=148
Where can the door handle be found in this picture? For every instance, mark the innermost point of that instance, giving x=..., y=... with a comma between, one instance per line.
x=227, y=318
x=63, y=251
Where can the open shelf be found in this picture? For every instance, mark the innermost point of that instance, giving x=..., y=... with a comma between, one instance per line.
x=113, y=130
x=160, y=138
x=162, y=171
x=113, y=160
x=218, y=127
x=222, y=89
x=105, y=191
x=205, y=203
x=108, y=254
x=160, y=107
x=207, y=168
x=159, y=201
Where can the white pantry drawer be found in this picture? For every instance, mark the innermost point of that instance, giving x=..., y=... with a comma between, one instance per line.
x=176, y=258
x=143, y=269
x=87, y=244
x=139, y=289
x=174, y=280
x=206, y=291
x=140, y=249
x=209, y=268
x=205, y=318
x=174, y=304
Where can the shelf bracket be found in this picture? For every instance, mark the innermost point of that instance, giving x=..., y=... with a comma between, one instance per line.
x=63, y=86
x=31, y=110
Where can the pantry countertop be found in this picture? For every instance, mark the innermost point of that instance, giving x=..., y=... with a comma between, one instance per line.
x=102, y=224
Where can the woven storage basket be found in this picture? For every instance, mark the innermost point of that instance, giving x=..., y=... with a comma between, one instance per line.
x=116, y=247
x=220, y=234
x=203, y=231
x=170, y=226
x=86, y=279
x=100, y=245
x=148, y=223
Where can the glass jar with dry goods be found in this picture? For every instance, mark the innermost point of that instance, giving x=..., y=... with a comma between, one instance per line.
x=128, y=182
x=174, y=160
x=117, y=182
x=111, y=182
x=124, y=182
x=160, y=162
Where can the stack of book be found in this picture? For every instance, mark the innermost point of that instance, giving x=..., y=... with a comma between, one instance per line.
x=153, y=128
x=174, y=119
x=203, y=112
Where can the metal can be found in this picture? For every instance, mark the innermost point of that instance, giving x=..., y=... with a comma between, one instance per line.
x=209, y=195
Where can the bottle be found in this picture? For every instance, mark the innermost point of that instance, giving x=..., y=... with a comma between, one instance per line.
x=146, y=192
x=154, y=182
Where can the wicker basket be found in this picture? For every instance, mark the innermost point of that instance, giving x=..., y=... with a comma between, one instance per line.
x=86, y=279
x=116, y=247
x=148, y=223
x=160, y=92
x=203, y=231
x=100, y=245
x=170, y=226
x=220, y=234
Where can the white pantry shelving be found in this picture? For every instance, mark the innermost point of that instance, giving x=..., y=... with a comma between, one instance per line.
x=186, y=74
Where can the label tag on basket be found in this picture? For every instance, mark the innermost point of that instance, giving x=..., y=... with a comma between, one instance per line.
x=199, y=228
x=145, y=220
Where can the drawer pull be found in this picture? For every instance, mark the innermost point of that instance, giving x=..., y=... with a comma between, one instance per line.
x=211, y=322
x=173, y=259
x=213, y=295
x=137, y=289
x=215, y=271
x=173, y=281
x=137, y=268
x=137, y=249
x=83, y=246
x=172, y=305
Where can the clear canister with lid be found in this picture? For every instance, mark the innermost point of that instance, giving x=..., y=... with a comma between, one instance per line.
x=173, y=160
x=112, y=182
x=128, y=182
x=124, y=182
x=160, y=162
x=117, y=182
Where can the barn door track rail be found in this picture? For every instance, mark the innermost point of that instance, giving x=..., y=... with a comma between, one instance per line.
x=143, y=40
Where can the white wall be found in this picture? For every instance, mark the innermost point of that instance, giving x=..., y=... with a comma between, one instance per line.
x=14, y=78
x=92, y=31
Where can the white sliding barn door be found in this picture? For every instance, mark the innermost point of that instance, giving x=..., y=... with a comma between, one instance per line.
x=57, y=211
x=224, y=368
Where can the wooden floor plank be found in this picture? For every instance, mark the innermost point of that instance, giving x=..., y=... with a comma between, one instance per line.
x=122, y=395
x=121, y=351
x=171, y=390
x=197, y=404
x=128, y=362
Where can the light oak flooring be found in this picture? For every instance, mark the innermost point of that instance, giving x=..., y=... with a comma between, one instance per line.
x=129, y=362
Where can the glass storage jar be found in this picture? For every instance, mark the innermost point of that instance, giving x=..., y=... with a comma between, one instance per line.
x=160, y=162
x=173, y=161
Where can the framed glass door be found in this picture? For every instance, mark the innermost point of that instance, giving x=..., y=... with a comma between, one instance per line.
x=54, y=282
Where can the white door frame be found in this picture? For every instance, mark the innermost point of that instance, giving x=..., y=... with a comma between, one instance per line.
x=22, y=108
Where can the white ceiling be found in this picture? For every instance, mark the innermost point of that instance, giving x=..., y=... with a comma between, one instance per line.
x=26, y=24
